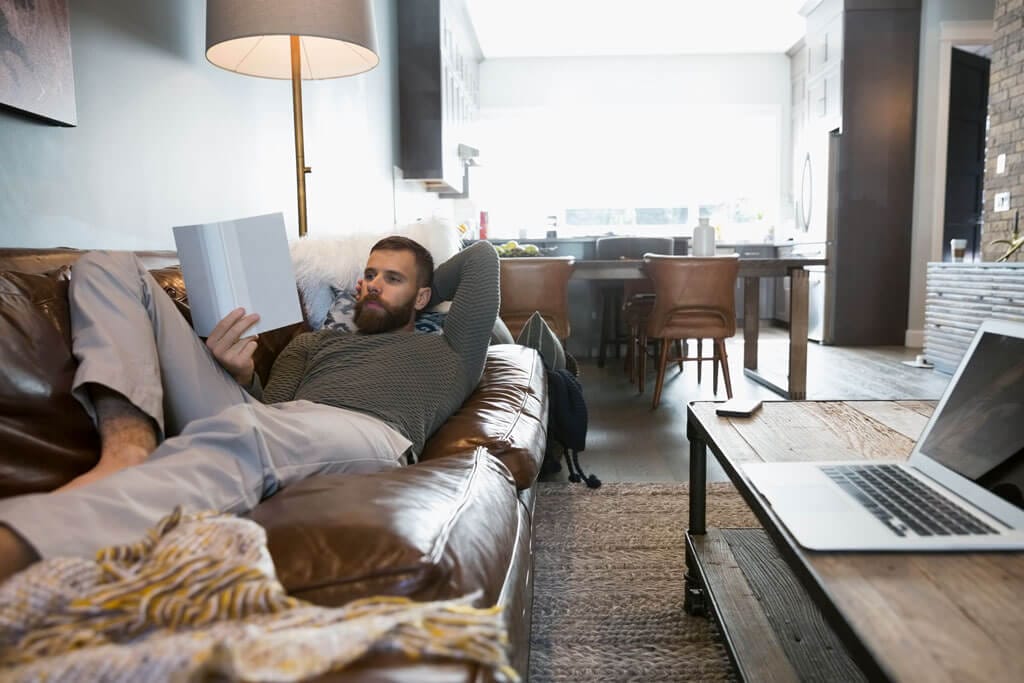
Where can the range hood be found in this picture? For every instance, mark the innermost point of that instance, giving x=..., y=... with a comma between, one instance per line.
x=468, y=156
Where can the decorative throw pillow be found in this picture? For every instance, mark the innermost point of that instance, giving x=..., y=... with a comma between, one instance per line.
x=537, y=335
x=342, y=313
x=431, y=322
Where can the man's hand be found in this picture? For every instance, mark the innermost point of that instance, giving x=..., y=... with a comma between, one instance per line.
x=232, y=350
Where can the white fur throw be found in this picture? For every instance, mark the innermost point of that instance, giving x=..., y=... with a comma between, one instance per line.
x=323, y=263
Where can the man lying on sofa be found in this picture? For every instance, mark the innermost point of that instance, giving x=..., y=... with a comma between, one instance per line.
x=185, y=424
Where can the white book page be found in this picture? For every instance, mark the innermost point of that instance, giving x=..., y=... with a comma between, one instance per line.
x=239, y=263
x=267, y=285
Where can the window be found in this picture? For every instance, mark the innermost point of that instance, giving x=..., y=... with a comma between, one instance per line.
x=662, y=216
x=595, y=217
x=630, y=170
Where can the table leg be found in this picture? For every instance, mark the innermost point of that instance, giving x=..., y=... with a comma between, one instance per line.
x=798, y=309
x=693, y=601
x=751, y=320
x=698, y=485
x=604, y=295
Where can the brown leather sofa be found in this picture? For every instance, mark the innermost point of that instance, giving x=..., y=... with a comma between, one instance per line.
x=457, y=522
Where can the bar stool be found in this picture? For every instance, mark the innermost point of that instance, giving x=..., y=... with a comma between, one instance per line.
x=694, y=298
x=536, y=283
x=612, y=295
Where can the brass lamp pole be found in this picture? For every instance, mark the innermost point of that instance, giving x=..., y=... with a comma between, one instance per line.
x=300, y=155
x=293, y=39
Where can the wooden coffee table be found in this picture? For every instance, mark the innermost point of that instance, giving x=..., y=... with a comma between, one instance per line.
x=900, y=616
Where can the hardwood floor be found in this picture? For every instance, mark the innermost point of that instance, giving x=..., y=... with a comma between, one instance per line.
x=629, y=442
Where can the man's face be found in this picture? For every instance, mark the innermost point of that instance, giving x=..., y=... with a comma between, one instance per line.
x=389, y=298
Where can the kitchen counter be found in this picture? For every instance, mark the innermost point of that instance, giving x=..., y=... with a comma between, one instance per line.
x=584, y=248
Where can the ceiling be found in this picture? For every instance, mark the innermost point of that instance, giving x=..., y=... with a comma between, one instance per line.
x=588, y=28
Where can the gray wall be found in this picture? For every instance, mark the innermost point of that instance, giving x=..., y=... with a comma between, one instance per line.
x=164, y=138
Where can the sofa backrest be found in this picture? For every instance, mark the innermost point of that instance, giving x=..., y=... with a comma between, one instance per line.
x=46, y=438
x=43, y=260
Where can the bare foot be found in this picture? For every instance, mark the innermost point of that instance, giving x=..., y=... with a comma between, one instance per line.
x=110, y=462
x=15, y=554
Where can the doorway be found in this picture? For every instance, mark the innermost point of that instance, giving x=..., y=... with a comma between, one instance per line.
x=965, y=150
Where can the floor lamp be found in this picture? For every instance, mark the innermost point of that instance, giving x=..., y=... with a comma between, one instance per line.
x=296, y=39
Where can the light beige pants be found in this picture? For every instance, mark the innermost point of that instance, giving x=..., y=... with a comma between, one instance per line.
x=223, y=450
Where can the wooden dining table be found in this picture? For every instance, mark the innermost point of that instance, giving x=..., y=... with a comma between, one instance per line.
x=794, y=386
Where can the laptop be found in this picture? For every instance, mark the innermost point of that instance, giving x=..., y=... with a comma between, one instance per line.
x=961, y=489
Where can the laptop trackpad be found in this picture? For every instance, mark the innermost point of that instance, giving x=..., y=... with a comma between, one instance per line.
x=813, y=514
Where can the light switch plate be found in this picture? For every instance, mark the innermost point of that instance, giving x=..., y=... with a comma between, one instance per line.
x=1002, y=201
x=1001, y=164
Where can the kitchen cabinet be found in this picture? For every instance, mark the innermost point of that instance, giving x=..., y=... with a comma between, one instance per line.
x=438, y=91
x=816, y=83
x=766, y=292
x=824, y=38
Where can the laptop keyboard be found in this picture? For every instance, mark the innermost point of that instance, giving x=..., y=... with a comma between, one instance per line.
x=901, y=502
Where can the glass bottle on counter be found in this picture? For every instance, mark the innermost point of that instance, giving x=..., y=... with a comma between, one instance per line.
x=704, y=238
x=551, y=227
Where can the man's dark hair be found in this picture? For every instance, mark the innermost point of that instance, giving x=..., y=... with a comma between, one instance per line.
x=424, y=261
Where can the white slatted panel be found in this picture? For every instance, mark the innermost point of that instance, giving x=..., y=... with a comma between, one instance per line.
x=959, y=297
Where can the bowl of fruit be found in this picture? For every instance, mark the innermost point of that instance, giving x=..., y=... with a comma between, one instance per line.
x=513, y=249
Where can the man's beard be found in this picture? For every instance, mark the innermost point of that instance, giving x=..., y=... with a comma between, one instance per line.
x=376, y=320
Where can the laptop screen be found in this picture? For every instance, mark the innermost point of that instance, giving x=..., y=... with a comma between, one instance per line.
x=980, y=431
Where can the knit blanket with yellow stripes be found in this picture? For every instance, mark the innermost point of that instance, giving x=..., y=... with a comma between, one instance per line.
x=198, y=599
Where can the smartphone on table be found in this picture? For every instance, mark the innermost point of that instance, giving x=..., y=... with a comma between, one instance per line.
x=738, y=407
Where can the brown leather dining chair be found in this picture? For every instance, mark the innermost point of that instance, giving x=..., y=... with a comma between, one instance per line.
x=694, y=298
x=536, y=283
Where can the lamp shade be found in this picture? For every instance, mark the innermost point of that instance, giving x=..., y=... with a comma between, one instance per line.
x=252, y=37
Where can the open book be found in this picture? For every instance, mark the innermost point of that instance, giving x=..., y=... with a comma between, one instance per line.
x=239, y=263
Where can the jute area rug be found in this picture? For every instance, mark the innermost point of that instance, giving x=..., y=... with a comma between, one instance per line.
x=608, y=586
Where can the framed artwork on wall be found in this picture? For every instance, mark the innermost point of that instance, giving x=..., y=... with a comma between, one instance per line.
x=36, y=74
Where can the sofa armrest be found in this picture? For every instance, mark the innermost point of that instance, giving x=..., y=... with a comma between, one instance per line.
x=431, y=531
x=507, y=414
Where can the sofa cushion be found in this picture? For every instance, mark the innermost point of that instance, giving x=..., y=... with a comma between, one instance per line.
x=46, y=438
x=507, y=414
x=436, y=530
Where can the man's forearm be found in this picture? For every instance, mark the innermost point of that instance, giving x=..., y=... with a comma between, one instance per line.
x=471, y=280
x=471, y=266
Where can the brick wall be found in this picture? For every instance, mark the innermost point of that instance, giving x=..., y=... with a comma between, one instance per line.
x=1006, y=132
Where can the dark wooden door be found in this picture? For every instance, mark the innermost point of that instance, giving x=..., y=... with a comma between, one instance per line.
x=965, y=155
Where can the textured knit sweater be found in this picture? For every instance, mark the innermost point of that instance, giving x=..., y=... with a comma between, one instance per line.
x=411, y=381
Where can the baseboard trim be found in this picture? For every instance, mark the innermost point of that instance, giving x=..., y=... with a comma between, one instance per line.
x=914, y=339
